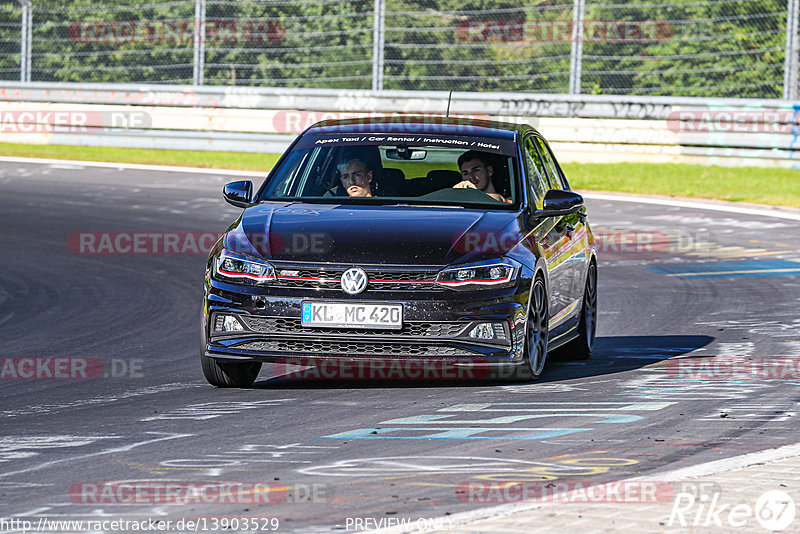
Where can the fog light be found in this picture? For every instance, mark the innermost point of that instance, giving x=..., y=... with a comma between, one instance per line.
x=227, y=323
x=482, y=331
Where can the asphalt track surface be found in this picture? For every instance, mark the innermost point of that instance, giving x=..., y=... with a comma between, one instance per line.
x=692, y=286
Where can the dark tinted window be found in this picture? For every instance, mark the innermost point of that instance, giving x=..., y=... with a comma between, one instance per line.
x=557, y=180
x=425, y=172
x=537, y=177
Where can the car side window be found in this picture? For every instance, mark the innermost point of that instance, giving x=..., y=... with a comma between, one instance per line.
x=537, y=177
x=557, y=180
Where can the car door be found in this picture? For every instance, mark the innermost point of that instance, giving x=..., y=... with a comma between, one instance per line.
x=575, y=246
x=550, y=234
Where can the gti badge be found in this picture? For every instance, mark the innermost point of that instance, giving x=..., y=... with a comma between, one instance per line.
x=354, y=280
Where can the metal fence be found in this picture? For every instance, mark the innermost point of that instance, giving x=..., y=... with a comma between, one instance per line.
x=706, y=48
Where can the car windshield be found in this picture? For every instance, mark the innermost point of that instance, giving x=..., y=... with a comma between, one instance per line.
x=397, y=169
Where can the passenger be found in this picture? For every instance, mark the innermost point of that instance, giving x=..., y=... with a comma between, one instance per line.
x=356, y=177
x=477, y=172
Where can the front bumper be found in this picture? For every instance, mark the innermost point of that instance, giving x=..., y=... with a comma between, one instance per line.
x=436, y=326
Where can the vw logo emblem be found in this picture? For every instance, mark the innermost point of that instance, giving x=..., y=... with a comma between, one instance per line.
x=354, y=280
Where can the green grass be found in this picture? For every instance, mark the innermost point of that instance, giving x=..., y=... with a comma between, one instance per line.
x=741, y=184
x=738, y=184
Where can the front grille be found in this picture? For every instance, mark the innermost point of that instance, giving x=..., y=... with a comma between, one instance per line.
x=287, y=325
x=351, y=348
x=379, y=279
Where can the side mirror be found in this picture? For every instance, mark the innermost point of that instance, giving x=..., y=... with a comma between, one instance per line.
x=238, y=194
x=558, y=202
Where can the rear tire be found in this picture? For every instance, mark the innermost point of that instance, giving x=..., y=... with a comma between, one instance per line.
x=581, y=347
x=536, y=333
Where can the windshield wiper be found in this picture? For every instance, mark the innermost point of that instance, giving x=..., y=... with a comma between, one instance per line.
x=427, y=206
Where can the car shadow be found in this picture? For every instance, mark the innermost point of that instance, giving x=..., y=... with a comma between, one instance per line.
x=617, y=354
x=612, y=354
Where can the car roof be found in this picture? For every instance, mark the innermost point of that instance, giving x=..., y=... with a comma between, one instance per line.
x=463, y=126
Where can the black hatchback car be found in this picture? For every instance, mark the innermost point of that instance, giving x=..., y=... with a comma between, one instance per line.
x=388, y=242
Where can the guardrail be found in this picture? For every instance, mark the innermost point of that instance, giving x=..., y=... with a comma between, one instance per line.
x=583, y=128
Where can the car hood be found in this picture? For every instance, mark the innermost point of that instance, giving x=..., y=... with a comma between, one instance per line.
x=347, y=234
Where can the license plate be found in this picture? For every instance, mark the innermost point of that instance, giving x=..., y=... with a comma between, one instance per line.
x=353, y=315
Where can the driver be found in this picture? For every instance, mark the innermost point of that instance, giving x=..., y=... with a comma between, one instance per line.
x=356, y=177
x=477, y=172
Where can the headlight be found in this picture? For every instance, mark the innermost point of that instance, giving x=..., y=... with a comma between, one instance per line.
x=234, y=267
x=493, y=273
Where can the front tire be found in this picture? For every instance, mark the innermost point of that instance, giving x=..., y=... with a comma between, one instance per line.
x=224, y=374
x=229, y=375
x=536, y=333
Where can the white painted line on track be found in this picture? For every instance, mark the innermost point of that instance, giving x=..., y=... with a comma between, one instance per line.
x=768, y=211
x=123, y=448
x=40, y=409
x=61, y=163
x=700, y=470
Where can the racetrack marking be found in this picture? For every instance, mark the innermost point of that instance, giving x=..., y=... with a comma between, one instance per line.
x=41, y=409
x=124, y=448
x=66, y=167
x=244, y=455
x=700, y=470
x=481, y=424
x=650, y=353
x=574, y=465
x=156, y=511
x=696, y=221
x=257, y=448
x=723, y=273
x=218, y=462
x=729, y=269
x=211, y=410
x=753, y=412
x=661, y=386
x=526, y=407
x=758, y=326
x=537, y=388
x=22, y=447
x=129, y=166
x=397, y=466
x=433, y=432
x=744, y=350
x=25, y=485
x=712, y=249
x=767, y=211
